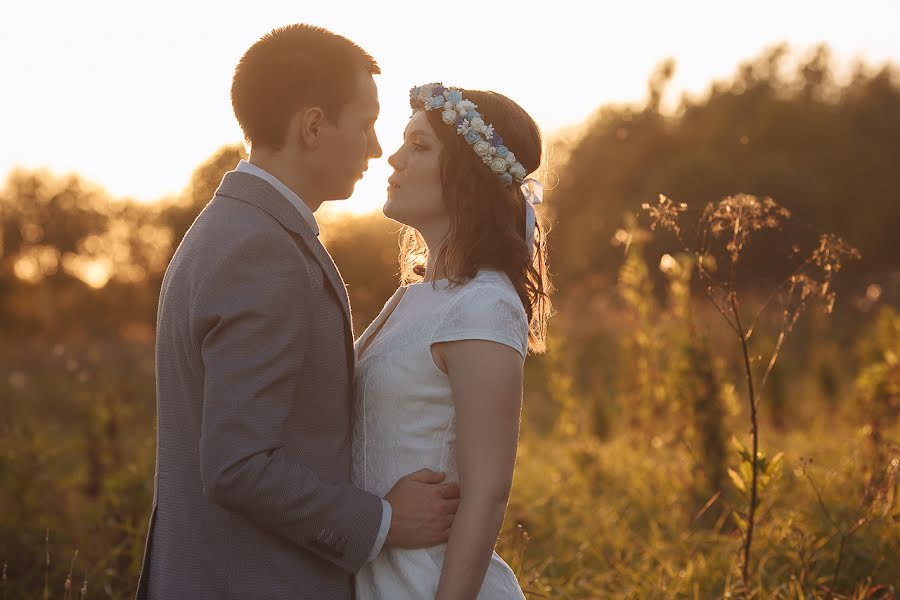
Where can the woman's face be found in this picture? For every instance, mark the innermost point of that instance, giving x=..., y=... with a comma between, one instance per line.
x=415, y=194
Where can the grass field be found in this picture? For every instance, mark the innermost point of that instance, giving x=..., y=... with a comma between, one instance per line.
x=631, y=476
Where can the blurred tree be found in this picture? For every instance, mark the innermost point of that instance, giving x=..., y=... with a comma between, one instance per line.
x=828, y=151
x=178, y=214
x=44, y=221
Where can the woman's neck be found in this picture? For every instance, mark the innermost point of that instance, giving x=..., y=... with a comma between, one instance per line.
x=435, y=237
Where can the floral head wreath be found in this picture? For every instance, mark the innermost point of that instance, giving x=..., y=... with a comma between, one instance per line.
x=485, y=142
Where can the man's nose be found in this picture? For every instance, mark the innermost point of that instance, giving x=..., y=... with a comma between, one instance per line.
x=375, y=148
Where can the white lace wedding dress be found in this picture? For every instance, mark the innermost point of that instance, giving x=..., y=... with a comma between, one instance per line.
x=404, y=420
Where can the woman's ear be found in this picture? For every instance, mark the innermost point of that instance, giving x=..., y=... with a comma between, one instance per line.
x=310, y=121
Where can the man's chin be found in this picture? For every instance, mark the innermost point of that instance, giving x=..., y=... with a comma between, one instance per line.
x=351, y=185
x=343, y=194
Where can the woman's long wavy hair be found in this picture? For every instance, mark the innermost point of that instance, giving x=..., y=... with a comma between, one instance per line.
x=487, y=219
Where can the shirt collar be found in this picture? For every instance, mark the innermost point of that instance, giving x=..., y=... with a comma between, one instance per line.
x=294, y=199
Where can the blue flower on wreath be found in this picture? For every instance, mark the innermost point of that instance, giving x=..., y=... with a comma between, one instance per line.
x=506, y=178
x=502, y=151
x=437, y=101
x=472, y=136
x=454, y=97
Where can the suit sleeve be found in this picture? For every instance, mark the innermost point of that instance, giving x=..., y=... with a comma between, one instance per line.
x=251, y=317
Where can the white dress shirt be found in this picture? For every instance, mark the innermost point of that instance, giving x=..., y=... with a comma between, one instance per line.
x=310, y=218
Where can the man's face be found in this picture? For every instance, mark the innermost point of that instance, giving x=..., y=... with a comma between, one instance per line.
x=349, y=143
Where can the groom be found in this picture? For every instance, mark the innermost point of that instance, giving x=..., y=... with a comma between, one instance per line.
x=254, y=355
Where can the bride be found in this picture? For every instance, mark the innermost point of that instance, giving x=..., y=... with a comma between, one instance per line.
x=439, y=371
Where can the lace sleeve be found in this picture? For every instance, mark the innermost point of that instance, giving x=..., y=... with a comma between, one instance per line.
x=485, y=313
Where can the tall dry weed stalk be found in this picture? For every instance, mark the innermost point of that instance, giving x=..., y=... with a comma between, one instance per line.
x=716, y=237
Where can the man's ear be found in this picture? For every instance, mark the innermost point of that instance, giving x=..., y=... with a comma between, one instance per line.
x=310, y=121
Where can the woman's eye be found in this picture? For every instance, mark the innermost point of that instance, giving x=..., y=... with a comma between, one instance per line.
x=419, y=147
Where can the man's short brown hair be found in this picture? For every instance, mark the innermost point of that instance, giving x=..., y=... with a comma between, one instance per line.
x=292, y=67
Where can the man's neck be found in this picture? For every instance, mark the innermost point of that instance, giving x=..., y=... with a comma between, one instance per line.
x=288, y=174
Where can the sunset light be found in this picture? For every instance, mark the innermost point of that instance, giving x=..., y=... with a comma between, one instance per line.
x=624, y=324
x=133, y=95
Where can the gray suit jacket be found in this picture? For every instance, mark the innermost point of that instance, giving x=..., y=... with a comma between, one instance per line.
x=254, y=367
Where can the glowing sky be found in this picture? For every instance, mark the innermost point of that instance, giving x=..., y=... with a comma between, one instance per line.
x=134, y=94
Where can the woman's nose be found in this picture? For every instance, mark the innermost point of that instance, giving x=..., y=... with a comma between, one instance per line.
x=394, y=160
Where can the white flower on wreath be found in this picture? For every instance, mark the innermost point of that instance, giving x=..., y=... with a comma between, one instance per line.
x=482, y=148
x=498, y=165
x=449, y=116
x=464, y=106
x=477, y=124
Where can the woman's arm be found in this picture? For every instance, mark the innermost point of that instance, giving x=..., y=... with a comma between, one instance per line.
x=486, y=379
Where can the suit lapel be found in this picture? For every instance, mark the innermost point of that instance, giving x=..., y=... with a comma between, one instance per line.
x=250, y=188
x=331, y=271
